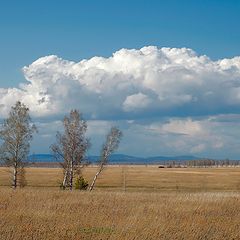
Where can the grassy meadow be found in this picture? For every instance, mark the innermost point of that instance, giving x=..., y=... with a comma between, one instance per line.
x=129, y=202
x=139, y=178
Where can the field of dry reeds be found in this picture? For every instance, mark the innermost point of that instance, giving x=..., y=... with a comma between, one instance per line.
x=130, y=202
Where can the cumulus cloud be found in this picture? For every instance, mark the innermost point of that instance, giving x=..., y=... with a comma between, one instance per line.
x=168, y=101
x=186, y=127
x=213, y=136
x=136, y=101
x=188, y=135
x=161, y=81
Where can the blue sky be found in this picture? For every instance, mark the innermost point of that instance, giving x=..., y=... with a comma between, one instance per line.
x=151, y=110
x=81, y=29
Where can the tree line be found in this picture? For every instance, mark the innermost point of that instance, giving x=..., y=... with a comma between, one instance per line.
x=212, y=163
x=205, y=162
x=69, y=149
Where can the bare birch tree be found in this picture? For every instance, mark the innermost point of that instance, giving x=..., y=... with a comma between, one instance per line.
x=71, y=147
x=16, y=133
x=112, y=142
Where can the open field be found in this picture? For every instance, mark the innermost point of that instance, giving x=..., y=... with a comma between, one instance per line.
x=130, y=202
x=135, y=178
x=53, y=214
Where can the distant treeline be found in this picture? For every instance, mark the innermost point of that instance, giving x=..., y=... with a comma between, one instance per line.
x=202, y=163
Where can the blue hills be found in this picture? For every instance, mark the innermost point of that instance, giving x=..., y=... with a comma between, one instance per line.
x=116, y=159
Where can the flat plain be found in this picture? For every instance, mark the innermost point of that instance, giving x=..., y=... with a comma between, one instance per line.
x=139, y=178
x=129, y=202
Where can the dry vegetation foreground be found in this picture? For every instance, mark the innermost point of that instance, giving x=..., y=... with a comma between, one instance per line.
x=130, y=202
x=53, y=214
x=139, y=178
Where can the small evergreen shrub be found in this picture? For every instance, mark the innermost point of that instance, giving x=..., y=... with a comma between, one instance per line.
x=81, y=183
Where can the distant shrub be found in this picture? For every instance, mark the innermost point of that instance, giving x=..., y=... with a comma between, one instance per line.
x=81, y=183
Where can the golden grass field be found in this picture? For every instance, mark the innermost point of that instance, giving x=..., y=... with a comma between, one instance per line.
x=140, y=178
x=130, y=202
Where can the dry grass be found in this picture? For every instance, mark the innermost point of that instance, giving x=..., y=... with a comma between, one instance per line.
x=139, y=178
x=52, y=214
x=158, y=204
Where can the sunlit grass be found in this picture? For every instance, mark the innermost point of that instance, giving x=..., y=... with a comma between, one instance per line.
x=55, y=214
x=129, y=202
x=134, y=178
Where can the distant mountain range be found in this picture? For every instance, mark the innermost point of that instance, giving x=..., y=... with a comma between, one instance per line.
x=117, y=159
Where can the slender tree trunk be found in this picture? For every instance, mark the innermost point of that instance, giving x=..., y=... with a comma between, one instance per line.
x=71, y=175
x=15, y=166
x=14, y=184
x=65, y=179
x=94, y=179
x=93, y=182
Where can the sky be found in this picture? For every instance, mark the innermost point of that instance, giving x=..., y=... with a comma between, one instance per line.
x=166, y=72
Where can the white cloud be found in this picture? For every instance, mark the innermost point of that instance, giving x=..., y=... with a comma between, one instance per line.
x=187, y=127
x=185, y=135
x=136, y=101
x=215, y=136
x=161, y=81
x=161, y=98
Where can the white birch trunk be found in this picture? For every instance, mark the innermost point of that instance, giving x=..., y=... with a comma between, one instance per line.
x=65, y=179
x=71, y=175
x=14, y=184
x=94, y=179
